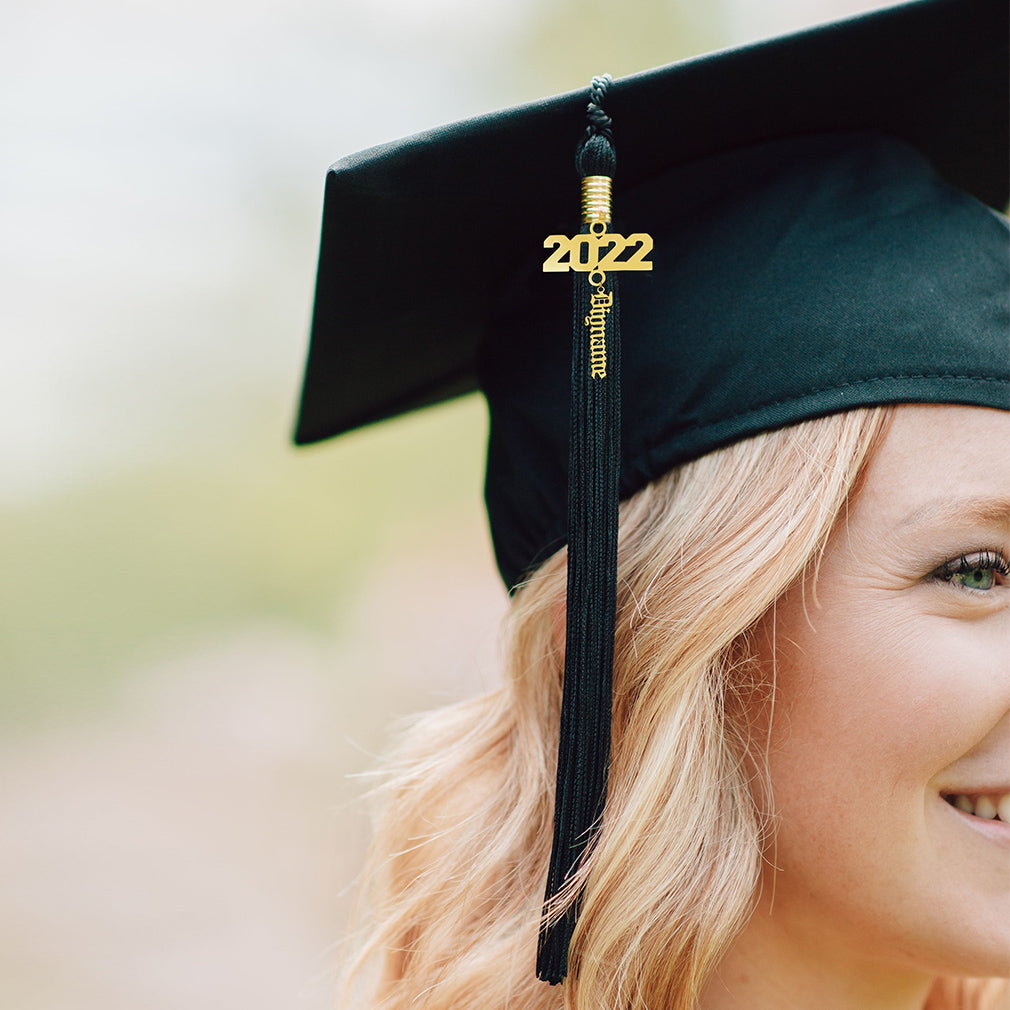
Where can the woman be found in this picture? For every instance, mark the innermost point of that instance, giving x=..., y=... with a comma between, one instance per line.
x=811, y=665
x=771, y=729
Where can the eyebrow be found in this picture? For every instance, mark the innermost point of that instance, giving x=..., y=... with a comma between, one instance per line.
x=943, y=511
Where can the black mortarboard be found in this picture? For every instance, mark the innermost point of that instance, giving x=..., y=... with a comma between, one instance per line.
x=822, y=242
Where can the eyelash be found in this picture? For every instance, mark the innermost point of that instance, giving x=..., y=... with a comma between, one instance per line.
x=964, y=564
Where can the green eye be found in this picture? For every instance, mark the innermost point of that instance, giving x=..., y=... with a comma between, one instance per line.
x=980, y=572
x=976, y=578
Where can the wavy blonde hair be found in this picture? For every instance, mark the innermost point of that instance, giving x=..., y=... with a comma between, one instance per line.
x=455, y=878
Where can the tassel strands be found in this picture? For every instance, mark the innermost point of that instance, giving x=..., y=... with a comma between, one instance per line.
x=594, y=466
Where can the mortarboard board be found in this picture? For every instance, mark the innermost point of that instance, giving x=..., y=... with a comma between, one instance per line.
x=818, y=204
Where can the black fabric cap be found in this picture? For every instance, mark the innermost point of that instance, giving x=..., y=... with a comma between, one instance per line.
x=819, y=244
x=792, y=279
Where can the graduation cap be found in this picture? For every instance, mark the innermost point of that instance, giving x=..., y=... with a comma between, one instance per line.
x=818, y=214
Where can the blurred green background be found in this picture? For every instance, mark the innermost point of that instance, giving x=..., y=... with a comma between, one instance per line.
x=203, y=631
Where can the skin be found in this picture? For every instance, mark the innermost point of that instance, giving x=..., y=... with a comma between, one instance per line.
x=891, y=688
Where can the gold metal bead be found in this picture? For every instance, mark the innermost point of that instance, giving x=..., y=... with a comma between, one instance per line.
x=596, y=199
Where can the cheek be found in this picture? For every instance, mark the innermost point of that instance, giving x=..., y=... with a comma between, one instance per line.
x=862, y=720
x=871, y=704
x=876, y=701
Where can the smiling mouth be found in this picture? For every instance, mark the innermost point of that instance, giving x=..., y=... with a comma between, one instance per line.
x=987, y=806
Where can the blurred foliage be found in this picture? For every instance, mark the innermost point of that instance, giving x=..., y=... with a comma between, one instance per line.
x=125, y=569
x=109, y=574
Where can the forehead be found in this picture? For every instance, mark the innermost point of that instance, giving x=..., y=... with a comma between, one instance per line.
x=939, y=462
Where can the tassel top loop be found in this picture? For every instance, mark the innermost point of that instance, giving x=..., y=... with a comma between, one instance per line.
x=595, y=154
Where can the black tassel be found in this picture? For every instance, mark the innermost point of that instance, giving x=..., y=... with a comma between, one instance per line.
x=594, y=465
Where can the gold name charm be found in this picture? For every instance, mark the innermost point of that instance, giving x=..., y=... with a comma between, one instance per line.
x=596, y=322
x=596, y=252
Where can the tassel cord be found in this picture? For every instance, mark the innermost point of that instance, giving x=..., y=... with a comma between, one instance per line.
x=594, y=462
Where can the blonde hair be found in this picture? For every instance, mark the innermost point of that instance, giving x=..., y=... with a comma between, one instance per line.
x=456, y=873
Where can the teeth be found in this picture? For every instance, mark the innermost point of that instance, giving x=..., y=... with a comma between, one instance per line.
x=964, y=803
x=987, y=807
